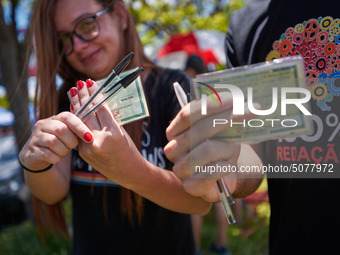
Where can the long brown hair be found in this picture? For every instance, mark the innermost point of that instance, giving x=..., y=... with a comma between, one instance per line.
x=51, y=62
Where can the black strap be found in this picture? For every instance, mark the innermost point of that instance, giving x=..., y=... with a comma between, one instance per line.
x=35, y=171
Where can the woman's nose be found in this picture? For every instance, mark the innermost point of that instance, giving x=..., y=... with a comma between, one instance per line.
x=78, y=44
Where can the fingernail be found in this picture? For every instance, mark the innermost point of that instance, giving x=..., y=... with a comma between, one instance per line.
x=71, y=107
x=89, y=83
x=88, y=137
x=80, y=84
x=73, y=92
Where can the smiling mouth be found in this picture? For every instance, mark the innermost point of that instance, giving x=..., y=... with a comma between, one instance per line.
x=90, y=57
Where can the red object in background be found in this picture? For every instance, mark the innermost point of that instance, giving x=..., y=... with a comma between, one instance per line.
x=208, y=57
x=31, y=71
x=180, y=42
x=206, y=44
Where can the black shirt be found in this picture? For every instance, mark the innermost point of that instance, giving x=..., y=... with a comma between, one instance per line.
x=304, y=212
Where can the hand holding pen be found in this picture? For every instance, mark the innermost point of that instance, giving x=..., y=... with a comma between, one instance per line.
x=225, y=196
x=107, y=89
x=112, y=90
x=116, y=71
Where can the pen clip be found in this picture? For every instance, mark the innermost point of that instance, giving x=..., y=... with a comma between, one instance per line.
x=124, y=63
x=124, y=82
x=118, y=69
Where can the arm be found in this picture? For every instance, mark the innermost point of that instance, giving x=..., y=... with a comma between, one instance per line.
x=114, y=154
x=53, y=185
x=51, y=142
x=158, y=185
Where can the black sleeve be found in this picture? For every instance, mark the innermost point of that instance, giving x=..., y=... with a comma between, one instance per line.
x=245, y=32
x=230, y=49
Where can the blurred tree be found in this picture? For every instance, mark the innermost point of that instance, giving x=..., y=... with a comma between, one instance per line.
x=13, y=70
x=159, y=19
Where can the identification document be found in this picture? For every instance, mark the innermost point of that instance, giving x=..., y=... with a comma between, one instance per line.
x=279, y=87
x=129, y=103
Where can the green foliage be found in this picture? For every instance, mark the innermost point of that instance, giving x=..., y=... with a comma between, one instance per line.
x=4, y=102
x=160, y=20
x=24, y=239
x=249, y=236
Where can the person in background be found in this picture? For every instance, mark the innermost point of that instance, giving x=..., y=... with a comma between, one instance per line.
x=265, y=30
x=194, y=66
x=304, y=215
x=121, y=202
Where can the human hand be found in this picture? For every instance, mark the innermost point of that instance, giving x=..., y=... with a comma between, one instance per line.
x=52, y=139
x=192, y=129
x=112, y=148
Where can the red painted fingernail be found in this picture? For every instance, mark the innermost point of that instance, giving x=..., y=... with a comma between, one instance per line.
x=71, y=107
x=89, y=83
x=80, y=84
x=73, y=92
x=88, y=137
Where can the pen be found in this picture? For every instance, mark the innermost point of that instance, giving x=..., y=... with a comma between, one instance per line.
x=116, y=71
x=225, y=196
x=123, y=83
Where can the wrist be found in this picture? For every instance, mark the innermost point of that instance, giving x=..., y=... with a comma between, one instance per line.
x=35, y=171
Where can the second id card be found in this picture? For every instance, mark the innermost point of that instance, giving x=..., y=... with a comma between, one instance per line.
x=279, y=87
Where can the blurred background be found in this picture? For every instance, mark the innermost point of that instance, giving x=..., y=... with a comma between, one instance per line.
x=171, y=31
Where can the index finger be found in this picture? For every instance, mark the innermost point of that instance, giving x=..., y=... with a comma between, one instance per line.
x=191, y=114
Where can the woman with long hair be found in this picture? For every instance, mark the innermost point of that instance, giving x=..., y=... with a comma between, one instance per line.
x=122, y=202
